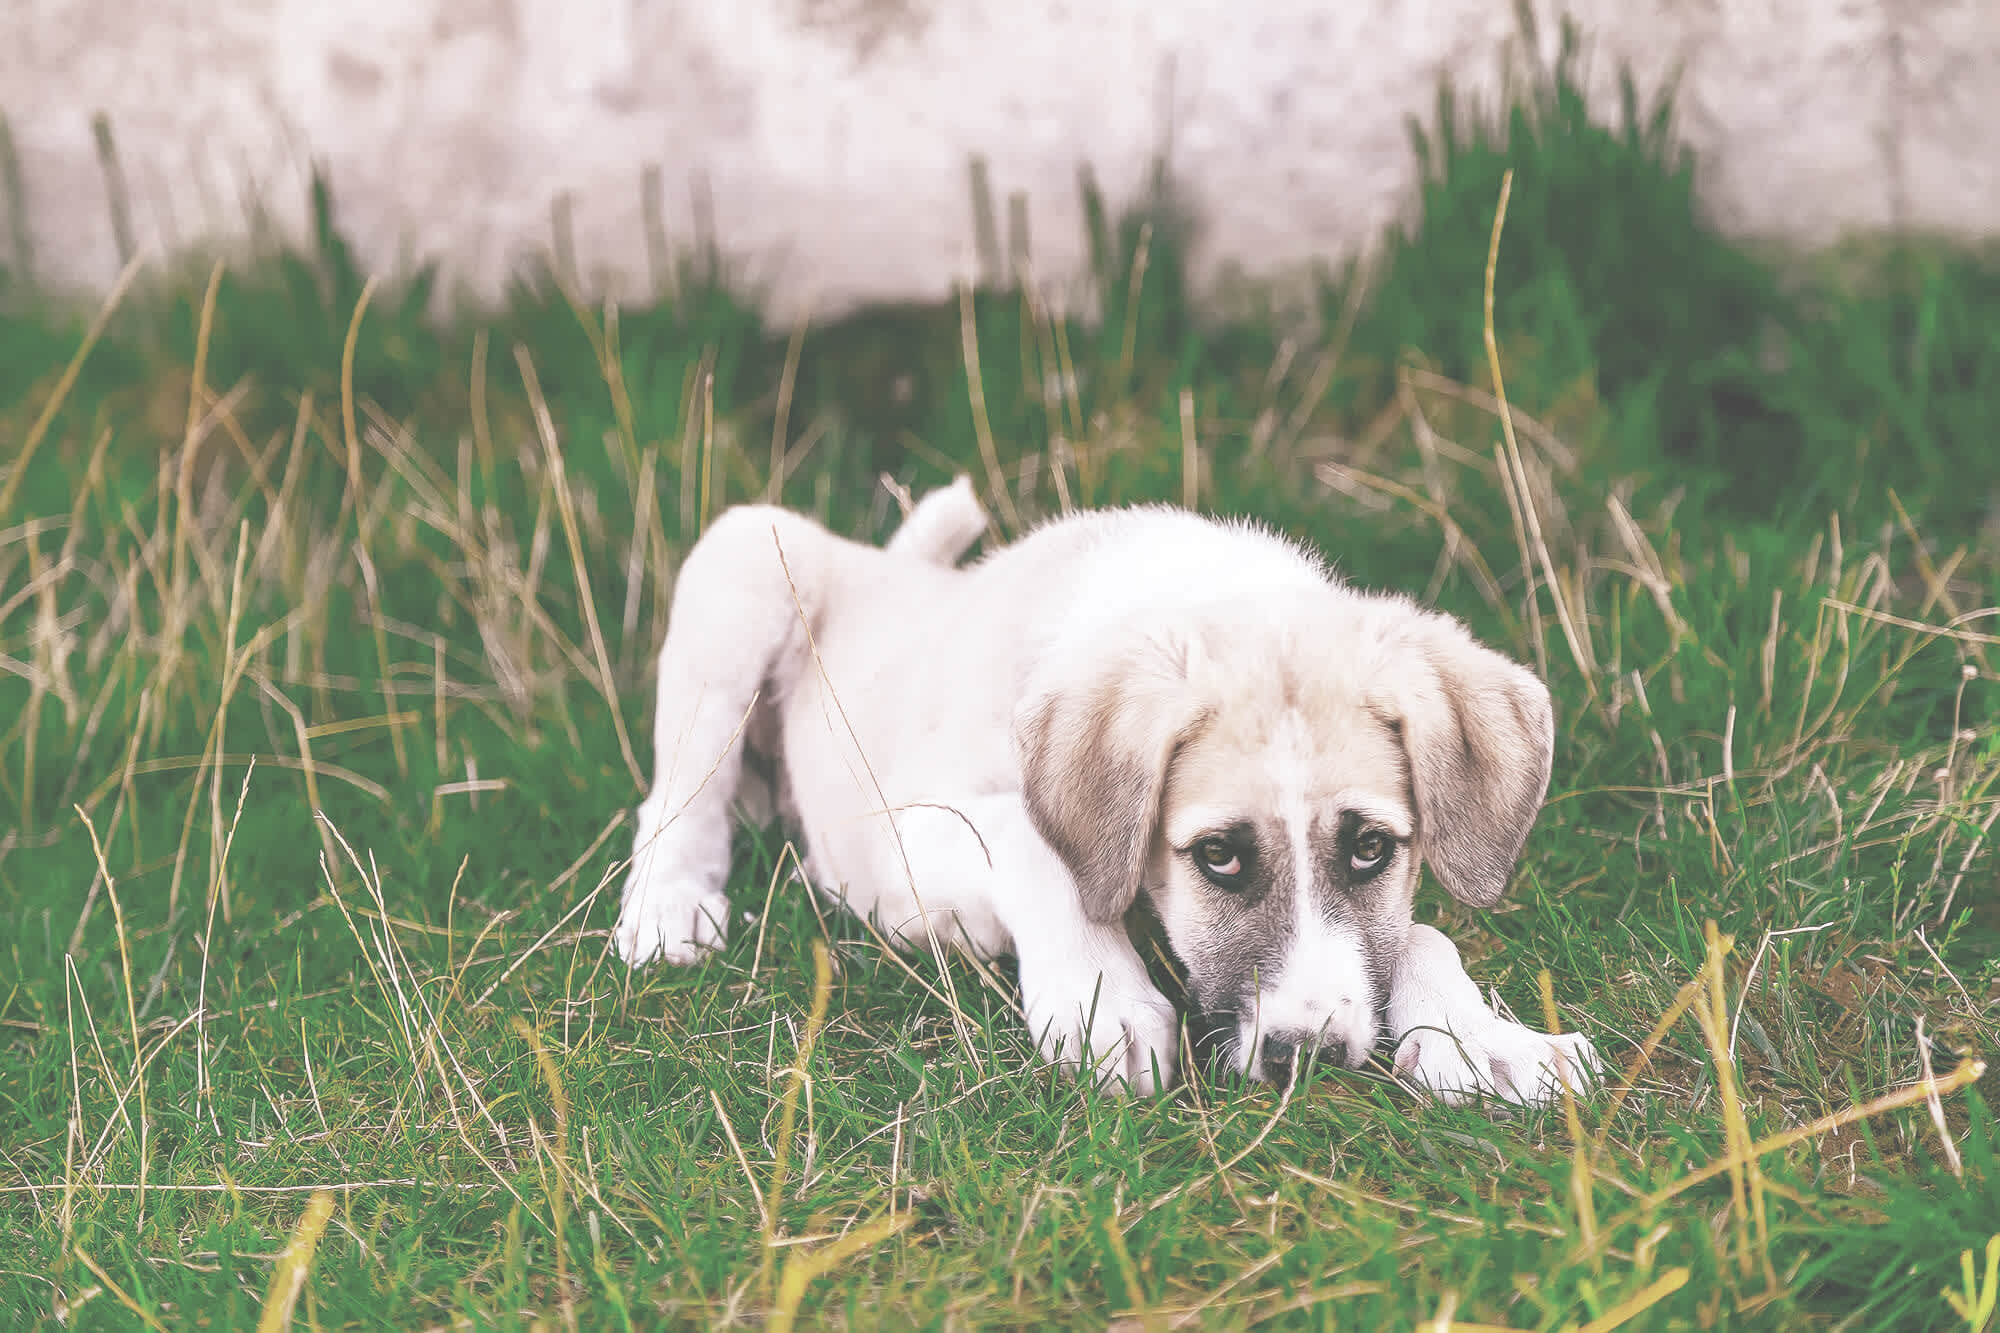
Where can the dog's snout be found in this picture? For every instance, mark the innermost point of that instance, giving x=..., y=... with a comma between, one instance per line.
x=1278, y=1057
x=1282, y=1053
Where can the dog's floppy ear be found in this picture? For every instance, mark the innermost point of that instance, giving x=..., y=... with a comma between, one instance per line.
x=1480, y=732
x=1094, y=749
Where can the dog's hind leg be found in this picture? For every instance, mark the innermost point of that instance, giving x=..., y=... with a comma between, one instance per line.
x=939, y=530
x=735, y=630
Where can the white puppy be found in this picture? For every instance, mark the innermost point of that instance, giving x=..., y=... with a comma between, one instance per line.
x=1004, y=757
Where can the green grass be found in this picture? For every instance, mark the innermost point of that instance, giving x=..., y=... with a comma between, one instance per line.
x=328, y=697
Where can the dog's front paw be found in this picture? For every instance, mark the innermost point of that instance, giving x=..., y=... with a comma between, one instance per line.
x=1497, y=1059
x=673, y=921
x=1129, y=1036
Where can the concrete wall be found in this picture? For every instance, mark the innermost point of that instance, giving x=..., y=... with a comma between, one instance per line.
x=827, y=141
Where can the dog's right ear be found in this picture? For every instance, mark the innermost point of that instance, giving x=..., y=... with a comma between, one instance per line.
x=1094, y=751
x=1480, y=730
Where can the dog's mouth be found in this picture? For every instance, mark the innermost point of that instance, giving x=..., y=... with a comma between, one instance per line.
x=1225, y=1050
x=1216, y=1041
x=1219, y=1040
x=1214, y=1035
x=1225, y=1053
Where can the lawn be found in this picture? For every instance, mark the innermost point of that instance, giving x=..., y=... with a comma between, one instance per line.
x=325, y=641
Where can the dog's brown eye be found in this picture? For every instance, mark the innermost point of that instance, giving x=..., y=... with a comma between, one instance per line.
x=1218, y=859
x=1371, y=850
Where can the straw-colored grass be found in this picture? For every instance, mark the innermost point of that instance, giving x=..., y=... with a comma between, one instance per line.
x=335, y=709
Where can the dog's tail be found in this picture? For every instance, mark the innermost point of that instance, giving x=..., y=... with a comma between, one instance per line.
x=943, y=525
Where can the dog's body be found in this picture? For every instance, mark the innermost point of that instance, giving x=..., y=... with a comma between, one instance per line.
x=1003, y=757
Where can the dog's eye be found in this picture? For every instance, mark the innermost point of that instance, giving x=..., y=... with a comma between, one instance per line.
x=1371, y=851
x=1217, y=859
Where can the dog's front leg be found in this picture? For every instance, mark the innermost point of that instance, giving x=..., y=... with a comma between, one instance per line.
x=1086, y=996
x=735, y=628
x=1084, y=989
x=1450, y=1042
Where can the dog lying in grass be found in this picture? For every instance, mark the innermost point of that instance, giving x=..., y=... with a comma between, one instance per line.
x=1004, y=757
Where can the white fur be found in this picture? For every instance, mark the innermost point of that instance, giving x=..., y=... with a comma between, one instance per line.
x=1456, y=1046
x=1323, y=987
x=899, y=683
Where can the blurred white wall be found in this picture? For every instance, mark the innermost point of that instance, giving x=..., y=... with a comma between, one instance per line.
x=829, y=140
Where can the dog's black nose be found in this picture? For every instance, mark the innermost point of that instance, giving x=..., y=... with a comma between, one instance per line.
x=1284, y=1052
x=1283, y=1055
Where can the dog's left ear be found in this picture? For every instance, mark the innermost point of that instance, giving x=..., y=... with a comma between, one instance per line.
x=1094, y=747
x=1480, y=732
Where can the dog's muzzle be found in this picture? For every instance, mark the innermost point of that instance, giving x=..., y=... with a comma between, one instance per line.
x=1278, y=1057
x=1281, y=1055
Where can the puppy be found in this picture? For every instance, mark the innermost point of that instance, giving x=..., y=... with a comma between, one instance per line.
x=1004, y=757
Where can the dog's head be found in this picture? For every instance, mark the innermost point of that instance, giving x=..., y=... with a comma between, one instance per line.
x=1273, y=779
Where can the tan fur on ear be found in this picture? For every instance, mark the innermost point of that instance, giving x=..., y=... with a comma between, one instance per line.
x=1094, y=754
x=1480, y=731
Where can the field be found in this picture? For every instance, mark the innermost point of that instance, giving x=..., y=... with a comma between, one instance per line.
x=325, y=643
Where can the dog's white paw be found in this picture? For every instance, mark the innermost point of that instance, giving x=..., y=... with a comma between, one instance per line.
x=1497, y=1059
x=671, y=921
x=1130, y=1036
